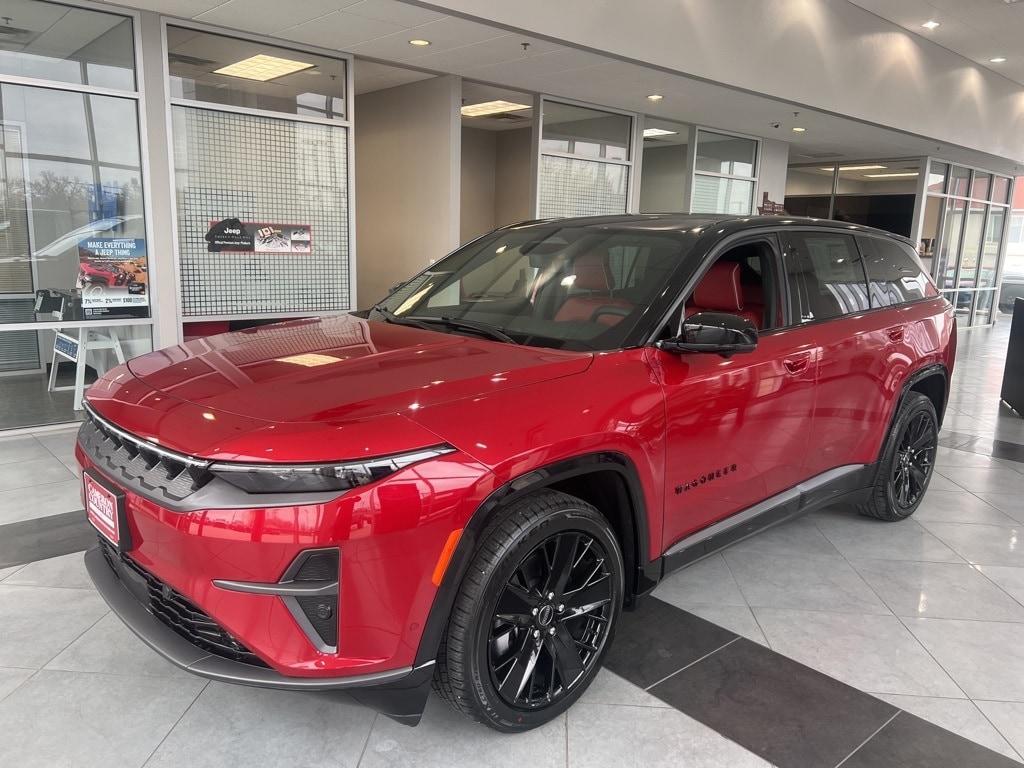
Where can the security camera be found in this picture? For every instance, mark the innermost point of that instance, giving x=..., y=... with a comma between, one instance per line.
x=776, y=125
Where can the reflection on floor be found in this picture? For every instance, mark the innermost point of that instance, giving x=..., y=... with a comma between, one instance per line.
x=25, y=401
x=871, y=624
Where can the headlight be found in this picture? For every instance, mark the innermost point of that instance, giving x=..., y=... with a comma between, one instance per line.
x=314, y=478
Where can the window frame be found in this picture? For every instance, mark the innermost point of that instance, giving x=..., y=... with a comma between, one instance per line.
x=791, y=322
x=911, y=255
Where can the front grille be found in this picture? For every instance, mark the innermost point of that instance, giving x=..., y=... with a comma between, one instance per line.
x=143, y=466
x=179, y=614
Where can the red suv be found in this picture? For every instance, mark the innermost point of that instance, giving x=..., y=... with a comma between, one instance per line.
x=467, y=483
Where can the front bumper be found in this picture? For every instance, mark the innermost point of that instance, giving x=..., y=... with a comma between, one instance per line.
x=398, y=693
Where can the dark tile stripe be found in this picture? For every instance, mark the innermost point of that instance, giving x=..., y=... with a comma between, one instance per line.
x=43, y=537
x=779, y=709
x=658, y=639
x=910, y=742
x=998, y=449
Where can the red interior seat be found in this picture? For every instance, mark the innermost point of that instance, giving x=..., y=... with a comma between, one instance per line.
x=720, y=291
x=593, y=276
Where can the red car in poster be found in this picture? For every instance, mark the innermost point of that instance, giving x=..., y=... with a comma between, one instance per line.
x=466, y=484
x=90, y=274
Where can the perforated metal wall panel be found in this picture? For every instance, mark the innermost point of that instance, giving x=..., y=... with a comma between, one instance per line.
x=261, y=169
x=573, y=187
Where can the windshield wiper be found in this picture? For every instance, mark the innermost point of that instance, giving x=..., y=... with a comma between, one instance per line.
x=391, y=317
x=426, y=323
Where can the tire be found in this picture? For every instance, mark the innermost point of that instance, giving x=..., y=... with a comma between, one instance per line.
x=513, y=669
x=900, y=472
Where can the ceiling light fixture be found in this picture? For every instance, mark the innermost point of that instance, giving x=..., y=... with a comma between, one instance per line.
x=651, y=132
x=891, y=175
x=931, y=24
x=491, y=108
x=997, y=60
x=799, y=130
x=857, y=168
x=263, y=68
x=655, y=97
x=419, y=42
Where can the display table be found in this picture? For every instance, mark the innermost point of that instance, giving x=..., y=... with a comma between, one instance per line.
x=1013, y=374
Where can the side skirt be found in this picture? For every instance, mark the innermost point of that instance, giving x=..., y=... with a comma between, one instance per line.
x=840, y=485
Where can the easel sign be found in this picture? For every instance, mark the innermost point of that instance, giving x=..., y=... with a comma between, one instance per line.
x=65, y=346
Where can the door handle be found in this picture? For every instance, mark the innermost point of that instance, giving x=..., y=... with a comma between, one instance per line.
x=895, y=334
x=796, y=364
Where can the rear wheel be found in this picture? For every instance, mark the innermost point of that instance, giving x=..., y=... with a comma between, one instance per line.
x=907, y=463
x=534, y=615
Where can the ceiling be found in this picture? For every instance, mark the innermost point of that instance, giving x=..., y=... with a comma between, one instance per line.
x=978, y=30
x=380, y=30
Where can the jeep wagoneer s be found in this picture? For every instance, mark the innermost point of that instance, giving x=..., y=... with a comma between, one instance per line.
x=465, y=485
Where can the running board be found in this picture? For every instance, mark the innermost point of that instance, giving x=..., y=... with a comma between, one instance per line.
x=827, y=488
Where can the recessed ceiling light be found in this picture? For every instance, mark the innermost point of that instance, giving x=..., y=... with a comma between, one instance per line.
x=655, y=97
x=931, y=24
x=419, y=42
x=492, y=108
x=262, y=67
x=998, y=60
x=858, y=168
x=649, y=132
x=890, y=175
x=799, y=130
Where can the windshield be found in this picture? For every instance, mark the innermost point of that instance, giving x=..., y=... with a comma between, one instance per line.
x=581, y=288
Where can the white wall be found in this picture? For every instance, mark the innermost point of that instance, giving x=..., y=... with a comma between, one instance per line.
x=512, y=180
x=663, y=178
x=773, y=171
x=407, y=181
x=826, y=54
x=479, y=150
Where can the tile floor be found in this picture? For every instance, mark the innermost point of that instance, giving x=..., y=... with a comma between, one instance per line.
x=926, y=615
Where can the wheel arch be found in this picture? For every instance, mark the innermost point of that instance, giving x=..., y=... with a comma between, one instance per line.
x=933, y=382
x=607, y=480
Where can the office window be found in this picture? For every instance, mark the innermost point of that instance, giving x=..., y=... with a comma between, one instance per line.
x=825, y=275
x=725, y=172
x=895, y=275
x=585, y=132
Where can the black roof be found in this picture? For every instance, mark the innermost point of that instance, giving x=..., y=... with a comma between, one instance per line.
x=698, y=222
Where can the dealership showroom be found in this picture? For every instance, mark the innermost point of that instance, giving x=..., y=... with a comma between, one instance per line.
x=479, y=383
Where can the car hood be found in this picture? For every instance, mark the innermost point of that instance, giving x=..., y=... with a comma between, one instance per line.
x=343, y=369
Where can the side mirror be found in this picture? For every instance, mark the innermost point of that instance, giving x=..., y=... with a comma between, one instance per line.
x=713, y=332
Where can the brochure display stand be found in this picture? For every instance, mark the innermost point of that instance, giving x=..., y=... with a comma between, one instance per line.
x=1013, y=375
x=65, y=305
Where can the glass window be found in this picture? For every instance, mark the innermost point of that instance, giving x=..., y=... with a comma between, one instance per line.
x=809, y=190
x=980, y=186
x=243, y=73
x=720, y=153
x=825, y=275
x=959, y=180
x=990, y=248
x=585, y=132
x=949, y=243
x=71, y=202
x=1001, y=190
x=715, y=194
x=1016, y=228
x=895, y=275
x=549, y=286
x=937, y=173
x=71, y=45
x=971, y=256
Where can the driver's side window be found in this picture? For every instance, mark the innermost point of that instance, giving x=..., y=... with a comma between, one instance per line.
x=742, y=281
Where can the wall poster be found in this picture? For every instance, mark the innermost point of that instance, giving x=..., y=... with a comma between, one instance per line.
x=113, y=276
x=239, y=236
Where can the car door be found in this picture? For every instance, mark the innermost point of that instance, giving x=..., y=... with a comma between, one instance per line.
x=829, y=294
x=736, y=426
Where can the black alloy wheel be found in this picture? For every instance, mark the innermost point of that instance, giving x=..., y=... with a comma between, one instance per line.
x=914, y=461
x=907, y=462
x=550, y=622
x=535, y=613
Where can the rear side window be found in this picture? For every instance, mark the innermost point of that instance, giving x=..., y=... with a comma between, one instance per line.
x=825, y=275
x=895, y=275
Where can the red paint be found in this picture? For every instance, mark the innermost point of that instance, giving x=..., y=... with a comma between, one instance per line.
x=808, y=399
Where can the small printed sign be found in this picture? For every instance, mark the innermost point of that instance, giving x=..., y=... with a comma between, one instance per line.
x=66, y=346
x=258, y=237
x=102, y=508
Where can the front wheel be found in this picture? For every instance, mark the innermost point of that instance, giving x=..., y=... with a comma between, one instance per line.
x=534, y=615
x=907, y=463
